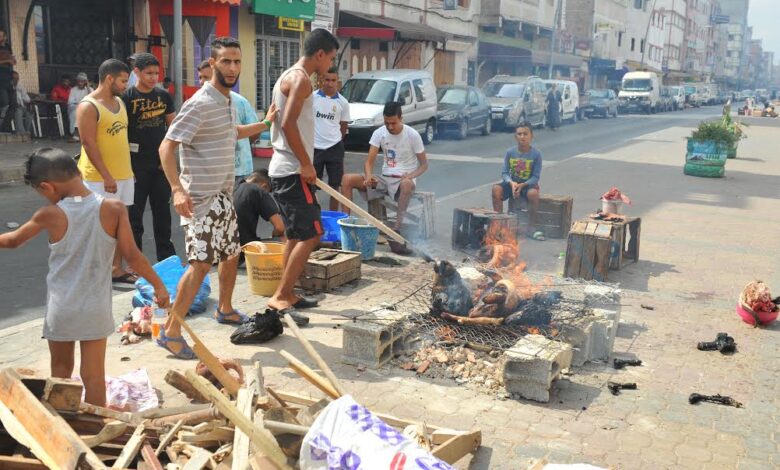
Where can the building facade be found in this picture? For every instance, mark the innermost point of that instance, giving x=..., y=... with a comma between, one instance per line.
x=644, y=44
x=737, y=41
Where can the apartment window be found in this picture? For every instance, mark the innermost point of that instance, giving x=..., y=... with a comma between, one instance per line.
x=638, y=4
x=633, y=44
x=642, y=45
x=620, y=39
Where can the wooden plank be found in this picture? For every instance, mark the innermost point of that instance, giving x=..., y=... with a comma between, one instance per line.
x=618, y=242
x=131, y=448
x=63, y=394
x=324, y=367
x=587, y=268
x=278, y=427
x=326, y=269
x=210, y=360
x=458, y=446
x=110, y=431
x=240, y=439
x=14, y=462
x=168, y=437
x=319, y=285
x=197, y=416
x=150, y=457
x=601, y=268
x=312, y=377
x=256, y=436
x=199, y=460
x=574, y=249
x=177, y=380
x=633, y=246
x=47, y=435
x=124, y=416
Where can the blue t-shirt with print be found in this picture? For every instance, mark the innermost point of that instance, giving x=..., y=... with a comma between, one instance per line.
x=245, y=114
x=522, y=167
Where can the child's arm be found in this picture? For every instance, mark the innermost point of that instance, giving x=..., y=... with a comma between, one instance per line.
x=30, y=229
x=135, y=259
x=505, y=176
x=536, y=172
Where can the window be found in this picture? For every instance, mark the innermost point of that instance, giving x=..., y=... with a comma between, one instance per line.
x=638, y=4
x=633, y=44
x=41, y=23
x=620, y=39
x=473, y=100
x=405, y=95
x=418, y=90
x=642, y=45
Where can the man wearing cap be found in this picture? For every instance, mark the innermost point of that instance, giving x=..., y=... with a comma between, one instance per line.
x=77, y=93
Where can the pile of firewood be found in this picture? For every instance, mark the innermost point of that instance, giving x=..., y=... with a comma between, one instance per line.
x=46, y=425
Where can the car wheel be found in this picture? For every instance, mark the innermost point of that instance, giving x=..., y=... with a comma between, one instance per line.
x=463, y=129
x=429, y=132
x=487, y=127
x=615, y=114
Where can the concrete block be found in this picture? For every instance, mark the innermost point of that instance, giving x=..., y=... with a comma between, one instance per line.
x=578, y=334
x=612, y=319
x=602, y=338
x=533, y=363
x=373, y=339
x=602, y=296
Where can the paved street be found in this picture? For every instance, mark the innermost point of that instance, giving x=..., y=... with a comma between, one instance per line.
x=455, y=167
x=702, y=240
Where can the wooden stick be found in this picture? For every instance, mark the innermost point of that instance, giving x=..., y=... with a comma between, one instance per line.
x=17, y=462
x=177, y=380
x=110, y=431
x=314, y=355
x=199, y=459
x=278, y=427
x=458, y=446
x=150, y=457
x=32, y=424
x=131, y=448
x=240, y=439
x=124, y=416
x=361, y=212
x=174, y=410
x=187, y=418
x=276, y=397
x=211, y=361
x=267, y=446
x=312, y=377
x=168, y=437
x=255, y=380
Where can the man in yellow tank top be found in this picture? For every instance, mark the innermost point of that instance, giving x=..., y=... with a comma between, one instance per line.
x=105, y=150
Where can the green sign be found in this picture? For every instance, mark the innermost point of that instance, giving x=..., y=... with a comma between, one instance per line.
x=297, y=9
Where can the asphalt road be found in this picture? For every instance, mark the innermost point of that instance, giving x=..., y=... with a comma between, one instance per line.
x=455, y=166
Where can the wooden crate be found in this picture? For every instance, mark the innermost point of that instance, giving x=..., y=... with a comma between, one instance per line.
x=625, y=242
x=554, y=215
x=327, y=269
x=588, y=251
x=469, y=226
x=425, y=220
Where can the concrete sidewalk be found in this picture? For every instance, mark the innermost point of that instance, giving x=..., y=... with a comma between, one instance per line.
x=13, y=155
x=702, y=241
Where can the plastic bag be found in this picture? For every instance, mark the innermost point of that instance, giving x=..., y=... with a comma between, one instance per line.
x=170, y=271
x=347, y=436
x=264, y=327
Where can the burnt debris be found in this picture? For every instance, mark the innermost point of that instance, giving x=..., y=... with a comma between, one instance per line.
x=723, y=343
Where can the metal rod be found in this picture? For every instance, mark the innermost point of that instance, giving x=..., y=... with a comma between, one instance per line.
x=178, y=81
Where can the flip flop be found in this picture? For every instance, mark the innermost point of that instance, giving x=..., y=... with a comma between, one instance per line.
x=222, y=318
x=538, y=236
x=399, y=248
x=185, y=353
x=298, y=318
x=305, y=302
x=126, y=278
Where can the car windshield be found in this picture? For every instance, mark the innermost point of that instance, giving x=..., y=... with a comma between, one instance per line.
x=452, y=96
x=598, y=93
x=504, y=90
x=369, y=90
x=637, y=84
x=690, y=89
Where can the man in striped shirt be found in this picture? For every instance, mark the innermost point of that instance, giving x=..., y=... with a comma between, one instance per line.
x=205, y=132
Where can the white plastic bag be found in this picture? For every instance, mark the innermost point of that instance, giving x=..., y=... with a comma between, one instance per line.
x=346, y=436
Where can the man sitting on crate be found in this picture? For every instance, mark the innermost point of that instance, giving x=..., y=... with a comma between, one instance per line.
x=404, y=161
x=520, y=177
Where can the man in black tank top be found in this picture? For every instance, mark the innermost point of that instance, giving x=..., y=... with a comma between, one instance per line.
x=291, y=170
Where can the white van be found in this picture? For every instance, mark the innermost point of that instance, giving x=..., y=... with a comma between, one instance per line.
x=640, y=91
x=368, y=92
x=570, y=98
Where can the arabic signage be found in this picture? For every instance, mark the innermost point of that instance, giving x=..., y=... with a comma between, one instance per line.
x=295, y=9
x=290, y=24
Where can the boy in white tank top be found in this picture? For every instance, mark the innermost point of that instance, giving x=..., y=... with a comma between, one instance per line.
x=84, y=230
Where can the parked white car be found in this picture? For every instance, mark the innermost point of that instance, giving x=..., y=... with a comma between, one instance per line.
x=678, y=96
x=640, y=91
x=570, y=98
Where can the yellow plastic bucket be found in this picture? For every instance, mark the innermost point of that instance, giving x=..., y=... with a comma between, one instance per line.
x=264, y=265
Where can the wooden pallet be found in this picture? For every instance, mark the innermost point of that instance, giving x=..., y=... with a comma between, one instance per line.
x=469, y=226
x=327, y=269
x=554, y=216
x=425, y=220
x=596, y=246
x=625, y=242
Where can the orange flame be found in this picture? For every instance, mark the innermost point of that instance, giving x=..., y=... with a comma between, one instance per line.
x=506, y=258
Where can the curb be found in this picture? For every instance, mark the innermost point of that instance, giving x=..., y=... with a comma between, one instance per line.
x=10, y=175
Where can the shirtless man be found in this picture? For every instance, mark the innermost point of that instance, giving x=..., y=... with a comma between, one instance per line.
x=291, y=169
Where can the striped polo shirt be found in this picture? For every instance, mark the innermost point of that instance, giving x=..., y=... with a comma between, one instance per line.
x=206, y=129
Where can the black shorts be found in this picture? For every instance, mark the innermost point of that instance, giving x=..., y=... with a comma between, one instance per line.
x=330, y=160
x=506, y=190
x=299, y=208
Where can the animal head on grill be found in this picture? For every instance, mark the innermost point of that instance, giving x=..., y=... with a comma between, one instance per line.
x=449, y=292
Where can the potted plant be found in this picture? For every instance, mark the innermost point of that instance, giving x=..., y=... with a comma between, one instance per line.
x=708, y=149
x=736, y=128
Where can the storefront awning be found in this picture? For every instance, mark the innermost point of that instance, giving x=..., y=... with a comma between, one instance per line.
x=362, y=26
x=565, y=60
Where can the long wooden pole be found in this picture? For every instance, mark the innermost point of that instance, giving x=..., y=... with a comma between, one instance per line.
x=312, y=377
x=313, y=354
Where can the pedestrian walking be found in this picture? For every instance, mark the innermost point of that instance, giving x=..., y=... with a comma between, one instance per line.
x=150, y=111
x=205, y=133
x=7, y=62
x=105, y=151
x=77, y=93
x=554, y=107
x=22, y=115
x=331, y=115
x=84, y=229
x=291, y=169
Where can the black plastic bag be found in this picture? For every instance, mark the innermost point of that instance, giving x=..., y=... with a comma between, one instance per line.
x=264, y=327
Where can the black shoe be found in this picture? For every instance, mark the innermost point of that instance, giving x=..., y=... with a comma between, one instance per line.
x=298, y=318
x=305, y=302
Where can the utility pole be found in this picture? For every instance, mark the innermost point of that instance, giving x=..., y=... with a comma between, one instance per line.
x=556, y=25
x=647, y=31
x=178, y=81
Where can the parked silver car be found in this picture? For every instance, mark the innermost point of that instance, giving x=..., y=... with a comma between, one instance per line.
x=601, y=102
x=516, y=99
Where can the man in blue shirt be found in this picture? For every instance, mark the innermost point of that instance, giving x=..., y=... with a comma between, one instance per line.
x=520, y=177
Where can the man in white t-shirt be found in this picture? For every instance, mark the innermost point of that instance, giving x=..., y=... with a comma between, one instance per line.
x=404, y=161
x=331, y=114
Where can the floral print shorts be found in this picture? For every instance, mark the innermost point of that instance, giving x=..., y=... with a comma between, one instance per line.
x=214, y=236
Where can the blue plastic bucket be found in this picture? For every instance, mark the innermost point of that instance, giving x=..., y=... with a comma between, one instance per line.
x=330, y=227
x=357, y=235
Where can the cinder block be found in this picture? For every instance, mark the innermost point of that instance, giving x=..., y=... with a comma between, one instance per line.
x=533, y=363
x=373, y=339
x=578, y=334
x=602, y=338
x=612, y=320
x=600, y=296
